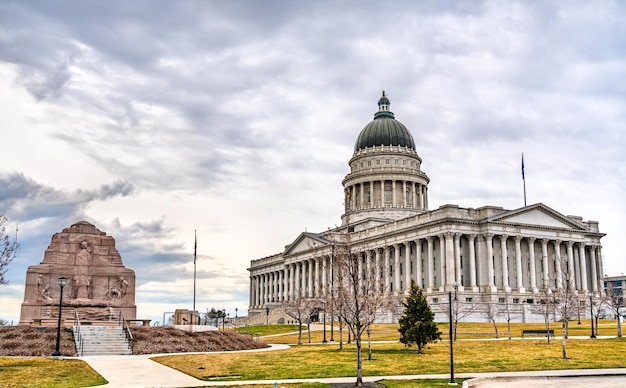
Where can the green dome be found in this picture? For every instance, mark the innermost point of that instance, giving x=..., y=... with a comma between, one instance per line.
x=384, y=130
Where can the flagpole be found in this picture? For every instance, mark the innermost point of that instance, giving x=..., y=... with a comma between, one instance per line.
x=195, y=249
x=524, y=179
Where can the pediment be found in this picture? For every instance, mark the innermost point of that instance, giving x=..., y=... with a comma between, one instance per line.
x=304, y=242
x=540, y=215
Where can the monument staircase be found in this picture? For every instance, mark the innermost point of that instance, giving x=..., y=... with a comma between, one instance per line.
x=101, y=340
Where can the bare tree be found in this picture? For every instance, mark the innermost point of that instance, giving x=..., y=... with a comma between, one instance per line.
x=460, y=311
x=301, y=309
x=565, y=299
x=356, y=294
x=491, y=312
x=8, y=249
x=508, y=310
x=615, y=302
x=545, y=307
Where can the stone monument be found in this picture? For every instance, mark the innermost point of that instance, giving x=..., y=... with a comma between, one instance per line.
x=98, y=287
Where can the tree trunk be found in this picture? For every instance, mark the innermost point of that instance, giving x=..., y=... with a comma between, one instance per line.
x=508, y=327
x=369, y=345
x=308, y=326
x=299, y=332
x=563, y=342
x=359, y=373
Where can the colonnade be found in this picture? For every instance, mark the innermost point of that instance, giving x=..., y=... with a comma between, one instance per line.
x=487, y=262
x=386, y=193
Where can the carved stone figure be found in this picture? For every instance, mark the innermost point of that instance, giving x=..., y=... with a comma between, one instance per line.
x=99, y=286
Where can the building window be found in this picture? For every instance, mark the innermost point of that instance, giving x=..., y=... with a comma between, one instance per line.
x=435, y=300
x=369, y=163
x=411, y=164
x=404, y=162
x=500, y=300
x=396, y=162
x=361, y=164
x=387, y=162
x=378, y=162
x=468, y=300
x=516, y=300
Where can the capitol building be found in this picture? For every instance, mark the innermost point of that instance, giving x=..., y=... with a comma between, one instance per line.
x=484, y=255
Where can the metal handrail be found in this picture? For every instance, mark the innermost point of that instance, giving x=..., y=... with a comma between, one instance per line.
x=79, y=347
x=129, y=335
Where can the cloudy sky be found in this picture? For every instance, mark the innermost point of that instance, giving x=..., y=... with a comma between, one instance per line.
x=152, y=119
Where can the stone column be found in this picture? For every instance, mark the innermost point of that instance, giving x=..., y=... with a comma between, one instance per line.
x=263, y=289
x=310, y=264
x=544, y=262
x=572, y=268
x=324, y=273
x=418, y=263
x=251, y=299
x=359, y=257
x=377, y=269
x=457, y=260
x=533, y=272
x=386, y=271
x=583, y=266
x=407, y=267
x=362, y=187
x=368, y=269
x=518, y=264
x=559, y=264
x=396, y=268
x=394, y=201
x=382, y=193
x=489, y=261
x=442, y=262
x=505, y=263
x=431, y=264
x=292, y=281
x=594, y=269
x=471, y=238
x=403, y=193
x=316, y=293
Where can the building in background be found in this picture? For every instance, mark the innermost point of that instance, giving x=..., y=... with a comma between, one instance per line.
x=484, y=255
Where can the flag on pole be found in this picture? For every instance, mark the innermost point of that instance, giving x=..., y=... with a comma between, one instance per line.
x=195, y=246
x=523, y=177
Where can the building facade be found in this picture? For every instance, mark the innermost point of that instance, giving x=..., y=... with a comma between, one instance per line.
x=484, y=255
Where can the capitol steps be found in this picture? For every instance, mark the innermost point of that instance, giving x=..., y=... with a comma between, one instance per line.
x=101, y=340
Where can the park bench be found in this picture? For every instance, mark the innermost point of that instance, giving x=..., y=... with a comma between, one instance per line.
x=543, y=333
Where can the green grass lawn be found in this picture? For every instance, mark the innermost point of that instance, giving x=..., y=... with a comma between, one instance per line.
x=396, y=359
x=23, y=372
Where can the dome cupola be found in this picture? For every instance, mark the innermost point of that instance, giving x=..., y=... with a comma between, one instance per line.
x=384, y=130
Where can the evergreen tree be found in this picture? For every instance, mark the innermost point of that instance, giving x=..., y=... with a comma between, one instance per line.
x=417, y=325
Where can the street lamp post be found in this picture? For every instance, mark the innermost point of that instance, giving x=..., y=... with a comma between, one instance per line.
x=451, y=382
x=593, y=333
x=57, y=352
x=236, y=309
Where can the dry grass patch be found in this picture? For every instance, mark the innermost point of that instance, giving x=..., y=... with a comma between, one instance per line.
x=153, y=340
x=395, y=359
x=30, y=341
